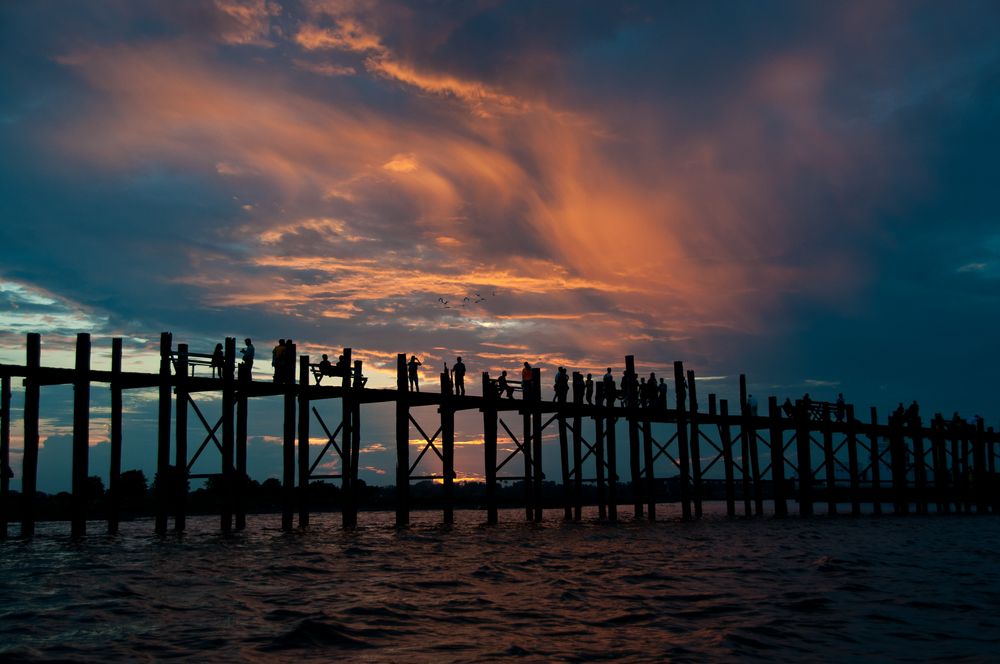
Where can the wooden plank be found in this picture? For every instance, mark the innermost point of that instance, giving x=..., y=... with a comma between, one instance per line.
x=600, y=458
x=448, y=448
x=726, y=439
x=288, y=446
x=578, y=388
x=852, y=462
x=229, y=433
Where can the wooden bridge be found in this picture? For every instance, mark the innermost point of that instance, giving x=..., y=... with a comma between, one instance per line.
x=808, y=458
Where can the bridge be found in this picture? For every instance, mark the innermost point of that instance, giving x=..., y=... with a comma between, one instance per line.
x=807, y=457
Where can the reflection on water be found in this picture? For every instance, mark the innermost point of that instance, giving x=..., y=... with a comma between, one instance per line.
x=827, y=589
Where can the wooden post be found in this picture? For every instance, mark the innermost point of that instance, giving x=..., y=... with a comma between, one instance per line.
x=725, y=436
x=564, y=459
x=490, y=397
x=680, y=391
x=288, y=446
x=994, y=485
x=536, y=448
x=777, y=441
x=966, y=472
x=115, y=471
x=852, y=462
x=650, y=479
x=304, y=413
x=402, y=444
x=631, y=415
x=940, y=466
x=162, y=497
x=578, y=446
x=527, y=395
x=919, y=467
x=748, y=435
x=979, y=469
x=829, y=462
x=4, y=455
x=897, y=452
x=695, y=445
x=348, y=505
x=956, y=470
x=228, y=434
x=81, y=435
x=447, y=411
x=600, y=458
x=803, y=447
x=876, y=455
x=242, y=478
x=356, y=388
x=181, y=439
x=609, y=437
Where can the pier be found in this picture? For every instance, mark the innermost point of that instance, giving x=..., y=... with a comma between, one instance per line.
x=808, y=455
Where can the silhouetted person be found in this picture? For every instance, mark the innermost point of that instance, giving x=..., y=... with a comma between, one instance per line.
x=641, y=393
x=325, y=369
x=503, y=387
x=218, y=361
x=288, y=359
x=525, y=380
x=752, y=404
x=661, y=394
x=411, y=370
x=561, y=386
x=609, y=387
x=343, y=368
x=588, y=389
x=913, y=414
x=787, y=408
x=807, y=403
x=841, y=410
x=458, y=373
x=278, y=360
x=247, y=353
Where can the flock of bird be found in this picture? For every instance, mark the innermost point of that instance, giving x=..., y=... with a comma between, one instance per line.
x=475, y=298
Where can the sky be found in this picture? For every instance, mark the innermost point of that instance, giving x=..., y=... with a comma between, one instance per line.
x=803, y=192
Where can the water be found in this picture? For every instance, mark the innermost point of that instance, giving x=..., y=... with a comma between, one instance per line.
x=824, y=589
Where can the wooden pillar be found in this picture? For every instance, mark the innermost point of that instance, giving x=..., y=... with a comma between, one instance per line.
x=578, y=446
x=649, y=483
x=402, y=444
x=803, y=447
x=304, y=413
x=347, y=497
x=697, y=492
x=876, y=454
x=632, y=416
x=897, y=455
x=228, y=433
x=4, y=455
x=940, y=467
x=564, y=459
x=777, y=443
x=162, y=496
x=994, y=485
x=979, y=469
x=852, y=462
x=490, y=397
x=680, y=391
x=919, y=467
x=610, y=435
x=527, y=396
x=830, y=463
x=725, y=437
x=447, y=412
x=600, y=458
x=81, y=436
x=957, y=483
x=181, y=439
x=748, y=436
x=356, y=388
x=115, y=470
x=536, y=442
x=242, y=478
x=288, y=447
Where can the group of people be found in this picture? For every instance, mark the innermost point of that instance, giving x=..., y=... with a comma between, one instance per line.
x=218, y=361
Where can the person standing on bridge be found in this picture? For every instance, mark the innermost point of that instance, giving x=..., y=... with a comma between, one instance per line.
x=247, y=353
x=503, y=386
x=458, y=376
x=609, y=388
x=561, y=386
x=278, y=360
x=218, y=361
x=661, y=394
x=525, y=380
x=411, y=370
x=588, y=389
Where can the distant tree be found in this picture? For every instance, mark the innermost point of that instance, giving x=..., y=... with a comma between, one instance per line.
x=132, y=487
x=94, y=488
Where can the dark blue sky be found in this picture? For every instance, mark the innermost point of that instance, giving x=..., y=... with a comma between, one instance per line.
x=805, y=192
